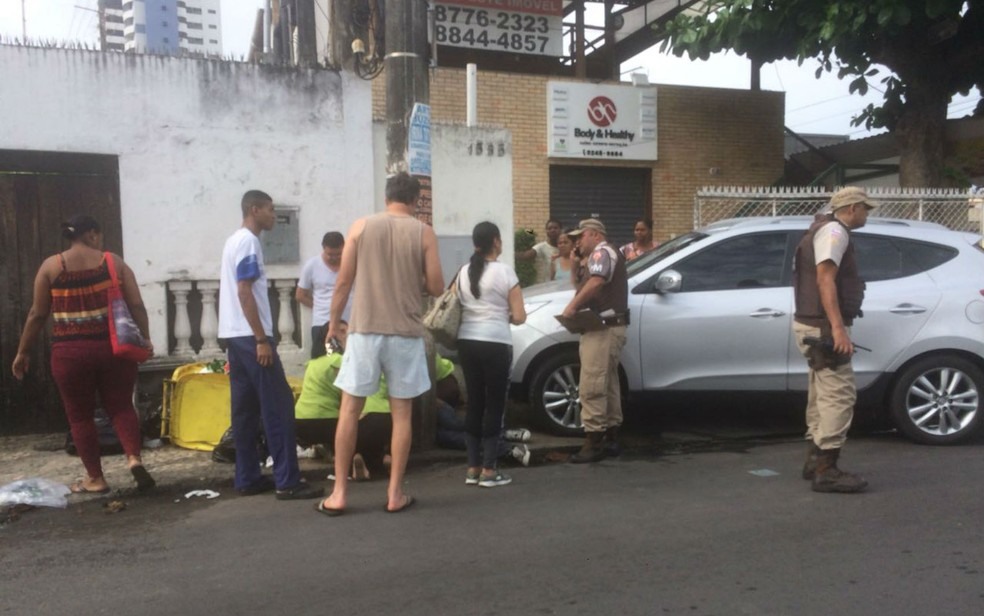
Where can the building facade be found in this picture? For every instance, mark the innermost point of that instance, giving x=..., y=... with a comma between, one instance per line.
x=171, y=27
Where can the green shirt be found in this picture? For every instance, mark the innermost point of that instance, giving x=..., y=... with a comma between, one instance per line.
x=320, y=399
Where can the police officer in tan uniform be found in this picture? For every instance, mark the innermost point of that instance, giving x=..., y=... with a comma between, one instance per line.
x=829, y=293
x=605, y=292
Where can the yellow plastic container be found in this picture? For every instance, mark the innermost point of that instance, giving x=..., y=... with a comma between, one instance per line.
x=197, y=406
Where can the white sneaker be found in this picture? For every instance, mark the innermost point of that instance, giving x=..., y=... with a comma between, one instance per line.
x=521, y=453
x=519, y=435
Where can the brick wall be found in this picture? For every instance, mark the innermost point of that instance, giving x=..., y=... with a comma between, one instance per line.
x=738, y=133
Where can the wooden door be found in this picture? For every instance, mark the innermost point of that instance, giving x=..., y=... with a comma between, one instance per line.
x=38, y=191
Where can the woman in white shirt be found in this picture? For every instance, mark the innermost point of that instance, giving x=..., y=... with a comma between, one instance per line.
x=490, y=301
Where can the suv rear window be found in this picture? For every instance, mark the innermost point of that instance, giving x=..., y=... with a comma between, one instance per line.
x=886, y=258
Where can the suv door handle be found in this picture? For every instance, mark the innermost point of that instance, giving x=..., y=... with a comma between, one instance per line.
x=907, y=309
x=767, y=312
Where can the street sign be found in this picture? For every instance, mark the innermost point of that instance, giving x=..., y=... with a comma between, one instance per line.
x=532, y=27
x=419, y=141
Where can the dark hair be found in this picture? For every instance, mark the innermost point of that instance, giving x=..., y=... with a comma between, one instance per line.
x=333, y=239
x=254, y=197
x=77, y=226
x=402, y=188
x=552, y=220
x=484, y=236
x=646, y=221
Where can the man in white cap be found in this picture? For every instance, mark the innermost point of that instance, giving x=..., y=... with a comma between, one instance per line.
x=605, y=292
x=829, y=292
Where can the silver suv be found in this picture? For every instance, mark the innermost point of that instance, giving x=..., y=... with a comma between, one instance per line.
x=711, y=311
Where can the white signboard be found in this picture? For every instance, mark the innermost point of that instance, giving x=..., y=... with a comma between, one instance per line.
x=514, y=26
x=612, y=122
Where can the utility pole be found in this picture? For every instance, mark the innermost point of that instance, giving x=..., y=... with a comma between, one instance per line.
x=408, y=143
x=23, y=21
x=307, y=43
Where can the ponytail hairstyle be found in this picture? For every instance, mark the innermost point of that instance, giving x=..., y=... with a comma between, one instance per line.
x=484, y=236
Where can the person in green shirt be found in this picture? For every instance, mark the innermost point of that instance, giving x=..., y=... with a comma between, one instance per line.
x=316, y=412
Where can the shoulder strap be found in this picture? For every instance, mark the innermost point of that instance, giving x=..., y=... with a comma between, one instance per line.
x=61, y=257
x=111, y=266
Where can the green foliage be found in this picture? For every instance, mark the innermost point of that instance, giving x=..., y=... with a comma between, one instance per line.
x=525, y=270
x=932, y=47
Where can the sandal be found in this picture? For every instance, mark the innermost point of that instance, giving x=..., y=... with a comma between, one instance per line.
x=142, y=477
x=79, y=488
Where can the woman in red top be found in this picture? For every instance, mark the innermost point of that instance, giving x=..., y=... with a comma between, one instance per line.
x=72, y=286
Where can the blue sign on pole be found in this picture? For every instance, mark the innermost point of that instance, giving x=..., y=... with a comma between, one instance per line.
x=419, y=141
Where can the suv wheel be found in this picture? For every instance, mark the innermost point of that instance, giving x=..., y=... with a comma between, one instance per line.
x=554, y=393
x=937, y=400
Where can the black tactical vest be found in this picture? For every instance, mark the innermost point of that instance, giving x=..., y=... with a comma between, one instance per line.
x=850, y=287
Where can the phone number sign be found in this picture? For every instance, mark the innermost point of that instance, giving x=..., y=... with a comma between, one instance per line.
x=514, y=26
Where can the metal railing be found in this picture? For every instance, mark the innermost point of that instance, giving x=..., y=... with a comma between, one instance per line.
x=957, y=208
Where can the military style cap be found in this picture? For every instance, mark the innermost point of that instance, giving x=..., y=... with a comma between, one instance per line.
x=850, y=195
x=588, y=223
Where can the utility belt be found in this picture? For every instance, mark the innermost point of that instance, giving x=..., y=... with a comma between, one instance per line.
x=616, y=320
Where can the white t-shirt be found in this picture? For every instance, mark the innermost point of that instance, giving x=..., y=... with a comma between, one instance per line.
x=544, y=254
x=487, y=318
x=830, y=243
x=242, y=259
x=318, y=278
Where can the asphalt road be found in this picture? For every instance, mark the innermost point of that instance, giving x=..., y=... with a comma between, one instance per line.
x=723, y=528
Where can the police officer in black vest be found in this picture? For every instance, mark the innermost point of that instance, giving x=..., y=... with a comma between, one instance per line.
x=829, y=293
x=604, y=292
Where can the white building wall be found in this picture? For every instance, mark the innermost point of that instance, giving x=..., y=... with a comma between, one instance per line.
x=192, y=136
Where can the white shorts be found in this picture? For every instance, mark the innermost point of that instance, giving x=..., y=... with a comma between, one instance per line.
x=402, y=360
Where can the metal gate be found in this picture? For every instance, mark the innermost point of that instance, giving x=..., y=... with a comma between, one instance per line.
x=958, y=209
x=39, y=190
x=618, y=196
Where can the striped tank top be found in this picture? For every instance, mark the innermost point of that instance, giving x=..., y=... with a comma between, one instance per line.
x=79, y=305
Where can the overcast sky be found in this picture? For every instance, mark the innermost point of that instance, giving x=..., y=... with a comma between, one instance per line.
x=812, y=105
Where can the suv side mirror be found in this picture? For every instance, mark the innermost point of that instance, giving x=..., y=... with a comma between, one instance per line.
x=669, y=282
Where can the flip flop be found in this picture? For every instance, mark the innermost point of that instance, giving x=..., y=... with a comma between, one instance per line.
x=78, y=488
x=328, y=511
x=408, y=502
x=142, y=477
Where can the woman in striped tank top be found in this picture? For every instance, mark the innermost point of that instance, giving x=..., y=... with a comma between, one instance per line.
x=71, y=286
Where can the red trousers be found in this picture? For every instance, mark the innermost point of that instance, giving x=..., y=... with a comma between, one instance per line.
x=82, y=369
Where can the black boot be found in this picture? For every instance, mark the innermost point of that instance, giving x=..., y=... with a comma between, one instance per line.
x=810, y=466
x=610, y=444
x=829, y=478
x=592, y=450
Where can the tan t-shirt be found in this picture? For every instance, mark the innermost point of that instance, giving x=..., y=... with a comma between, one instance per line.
x=389, y=277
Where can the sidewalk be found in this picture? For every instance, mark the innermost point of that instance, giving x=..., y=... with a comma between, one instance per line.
x=175, y=468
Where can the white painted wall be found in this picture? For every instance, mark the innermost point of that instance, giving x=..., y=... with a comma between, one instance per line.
x=192, y=136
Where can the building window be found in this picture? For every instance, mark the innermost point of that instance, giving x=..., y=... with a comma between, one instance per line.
x=164, y=23
x=194, y=26
x=212, y=26
x=211, y=11
x=213, y=41
x=167, y=40
x=193, y=11
x=128, y=21
x=195, y=41
x=164, y=8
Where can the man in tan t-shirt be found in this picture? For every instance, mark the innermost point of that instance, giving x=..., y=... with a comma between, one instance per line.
x=392, y=259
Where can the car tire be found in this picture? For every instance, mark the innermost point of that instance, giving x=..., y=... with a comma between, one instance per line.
x=937, y=400
x=554, y=400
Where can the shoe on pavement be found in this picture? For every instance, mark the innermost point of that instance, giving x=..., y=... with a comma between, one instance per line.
x=301, y=491
x=518, y=435
x=471, y=479
x=521, y=453
x=494, y=481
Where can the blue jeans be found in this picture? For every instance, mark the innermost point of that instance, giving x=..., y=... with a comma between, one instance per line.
x=451, y=430
x=261, y=394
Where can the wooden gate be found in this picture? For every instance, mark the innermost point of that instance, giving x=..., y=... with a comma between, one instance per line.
x=38, y=191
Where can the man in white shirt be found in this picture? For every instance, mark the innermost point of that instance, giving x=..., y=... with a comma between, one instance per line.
x=543, y=253
x=316, y=287
x=258, y=386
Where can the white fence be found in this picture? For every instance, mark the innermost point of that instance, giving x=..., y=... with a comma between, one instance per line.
x=958, y=209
